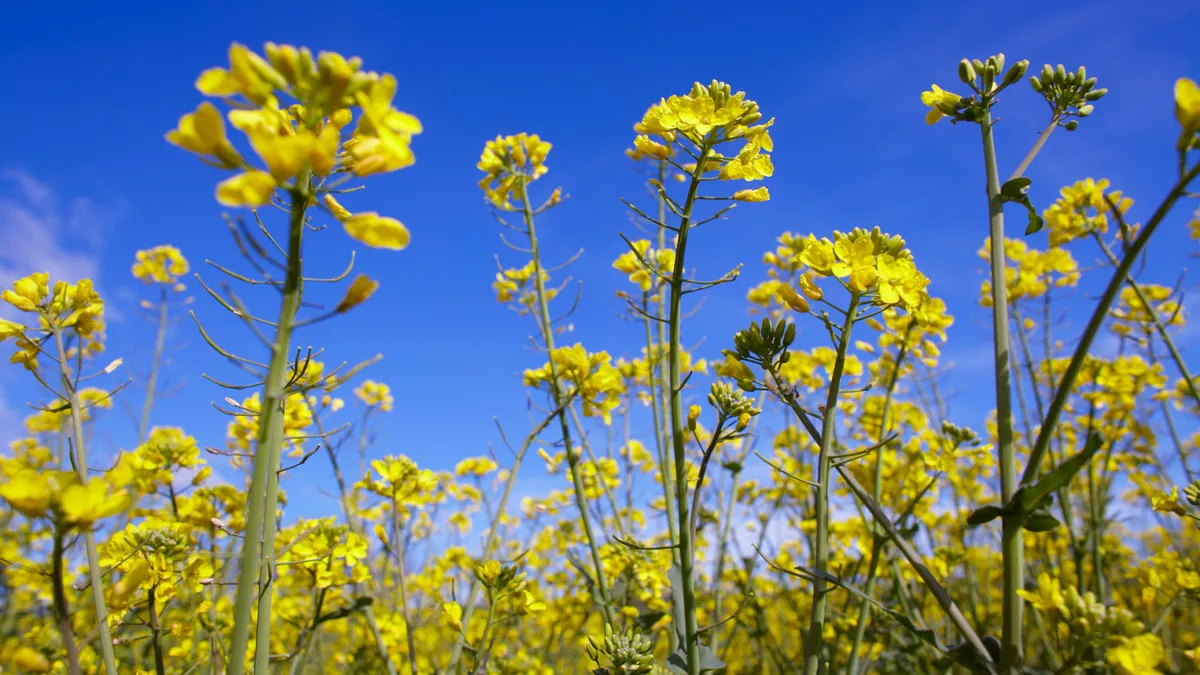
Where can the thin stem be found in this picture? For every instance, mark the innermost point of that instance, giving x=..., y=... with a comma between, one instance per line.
x=573, y=458
x=816, y=623
x=61, y=612
x=155, y=361
x=79, y=455
x=1011, y=538
x=155, y=632
x=259, y=541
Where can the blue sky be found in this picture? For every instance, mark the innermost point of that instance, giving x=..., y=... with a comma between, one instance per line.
x=86, y=178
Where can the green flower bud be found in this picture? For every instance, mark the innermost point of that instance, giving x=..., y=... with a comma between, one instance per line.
x=1072, y=125
x=1086, y=110
x=966, y=72
x=1047, y=73
x=1095, y=94
x=1036, y=84
x=1060, y=74
x=1016, y=72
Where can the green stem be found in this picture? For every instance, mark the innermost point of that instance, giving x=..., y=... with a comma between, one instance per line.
x=399, y=547
x=687, y=554
x=664, y=465
x=664, y=382
x=156, y=360
x=61, y=613
x=155, y=632
x=1011, y=536
x=258, y=544
x=547, y=330
x=813, y=641
x=89, y=538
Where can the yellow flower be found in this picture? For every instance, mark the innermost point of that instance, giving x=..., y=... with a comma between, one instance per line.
x=249, y=75
x=377, y=231
x=530, y=604
x=452, y=615
x=161, y=264
x=360, y=290
x=1138, y=655
x=29, y=492
x=1048, y=598
x=252, y=188
x=1168, y=503
x=941, y=104
x=756, y=195
x=735, y=369
x=28, y=293
x=375, y=395
x=1187, y=105
x=791, y=297
x=651, y=148
x=28, y=660
x=203, y=132
x=83, y=505
x=337, y=210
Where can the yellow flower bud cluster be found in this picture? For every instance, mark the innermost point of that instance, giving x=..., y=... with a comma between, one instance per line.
x=508, y=160
x=303, y=140
x=160, y=265
x=69, y=307
x=588, y=375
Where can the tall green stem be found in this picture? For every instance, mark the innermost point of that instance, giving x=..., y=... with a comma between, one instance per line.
x=1011, y=545
x=155, y=361
x=816, y=623
x=254, y=578
x=573, y=456
x=687, y=554
x=89, y=538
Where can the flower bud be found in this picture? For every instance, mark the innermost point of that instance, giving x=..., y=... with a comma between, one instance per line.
x=966, y=72
x=693, y=415
x=1016, y=72
x=1060, y=74
x=1036, y=84
x=1072, y=125
x=1086, y=110
x=1095, y=94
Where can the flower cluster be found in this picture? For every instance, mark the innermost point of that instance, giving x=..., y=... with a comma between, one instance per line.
x=303, y=140
x=577, y=372
x=70, y=308
x=509, y=161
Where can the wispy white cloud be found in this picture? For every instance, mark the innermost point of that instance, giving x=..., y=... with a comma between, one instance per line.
x=40, y=231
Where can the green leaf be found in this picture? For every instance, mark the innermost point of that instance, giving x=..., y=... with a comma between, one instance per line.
x=1027, y=498
x=1016, y=189
x=984, y=514
x=1040, y=520
x=1035, y=221
x=709, y=662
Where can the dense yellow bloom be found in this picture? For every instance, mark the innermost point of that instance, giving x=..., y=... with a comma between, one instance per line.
x=941, y=104
x=507, y=161
x=375, y=395
x=1082, y=209
x=645, y=266
x=452, y=615
x=161, y=264
x=588, y=375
